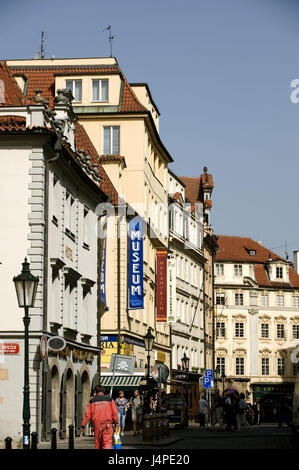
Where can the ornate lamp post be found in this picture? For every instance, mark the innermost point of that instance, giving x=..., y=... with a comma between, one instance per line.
x=185, y=364
x=223, y=377
x=148, y=342
x=26, y=287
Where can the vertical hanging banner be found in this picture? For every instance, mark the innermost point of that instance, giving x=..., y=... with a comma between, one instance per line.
x=136, y=263
x=161, y=286
x=103, y=267
x=171, y=291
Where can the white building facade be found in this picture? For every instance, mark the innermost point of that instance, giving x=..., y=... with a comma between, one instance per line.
x=257, y=321
x=49, y=199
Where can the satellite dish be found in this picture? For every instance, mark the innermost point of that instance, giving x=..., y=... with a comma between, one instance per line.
x=160, y=371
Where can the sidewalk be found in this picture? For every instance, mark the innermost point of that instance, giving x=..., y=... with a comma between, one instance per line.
x=128, y=442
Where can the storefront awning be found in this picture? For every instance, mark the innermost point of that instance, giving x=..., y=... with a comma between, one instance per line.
x=121, y=381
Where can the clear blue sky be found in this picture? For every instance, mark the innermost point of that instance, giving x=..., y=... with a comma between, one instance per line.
x=219, y=72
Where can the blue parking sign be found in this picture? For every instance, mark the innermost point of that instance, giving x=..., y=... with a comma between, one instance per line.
x=209, y=373
x=207, y=382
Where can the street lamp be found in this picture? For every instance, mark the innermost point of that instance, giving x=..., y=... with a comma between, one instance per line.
x=26, y=287
x=216, y=375
x=223, y=377
x=185, y=364
x=148, y=343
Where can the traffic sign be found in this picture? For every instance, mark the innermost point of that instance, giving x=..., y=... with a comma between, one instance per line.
x=209, y=373
x=43, y=347
x=207, y=382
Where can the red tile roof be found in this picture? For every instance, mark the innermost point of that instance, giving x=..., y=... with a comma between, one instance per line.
x=195, y=187
x=10, y=92
x=44, y=77
x=192, y=188
x=232, y=248
x=10, y=123
x=82, y=141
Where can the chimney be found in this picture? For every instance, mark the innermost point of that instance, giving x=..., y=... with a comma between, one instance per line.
x=296, y=260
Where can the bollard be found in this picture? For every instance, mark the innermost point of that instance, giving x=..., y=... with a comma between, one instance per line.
x=53, y=439
x=8, y=441
x=161, y=429
x=71, y=437
x=34, y=440
x=147, y=428
x=165, y=422
x=155, y=426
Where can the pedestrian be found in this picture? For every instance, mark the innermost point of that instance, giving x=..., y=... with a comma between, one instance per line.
x=203, y=410
x=90, y=424
x=136, y=404
x=228, y=413
x=241, y=413
x=121, y=404
x=234, y=396
x=102, y=411
x=217, y=408
x=258, y=412
x=284, y=413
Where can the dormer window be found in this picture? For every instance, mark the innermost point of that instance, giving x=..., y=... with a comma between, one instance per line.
x=100, y=90
x=76, y=88
x=252, y=252
x=279, y=273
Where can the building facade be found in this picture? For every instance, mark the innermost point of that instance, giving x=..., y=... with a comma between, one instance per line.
x=187, y=326
x=122, y=121
x=257, y=321
x=50, y=193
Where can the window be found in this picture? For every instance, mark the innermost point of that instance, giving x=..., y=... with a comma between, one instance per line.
x=56, y=205
x=69, y=214
x=240, y=366
x=264, y=300
x=86, y=228
x=220, y=299
x=111, y=140
x=219, y=269
x=238, y=299
x=76, y=88
x=280, y=330
x=238, y=270
x=221, y=365
x=252, y=252
x=265, y=330
x=295, y=301
x=220, y=330
x=265, y=366
x=295, y=331
x=239, y=330
x=281, y=366
x=279, y=273
x=296, y=368
x=280, y=301
x=100, y=90
x=253, y=298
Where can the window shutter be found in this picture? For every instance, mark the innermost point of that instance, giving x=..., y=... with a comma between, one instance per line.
x=106, y=146
x=116, y=140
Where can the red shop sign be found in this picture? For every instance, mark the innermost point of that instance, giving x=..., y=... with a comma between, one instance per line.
x=161, y=286
x=9, y=348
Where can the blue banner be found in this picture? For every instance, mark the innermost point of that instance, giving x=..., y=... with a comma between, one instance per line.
x=136, y=263
x=103, y=269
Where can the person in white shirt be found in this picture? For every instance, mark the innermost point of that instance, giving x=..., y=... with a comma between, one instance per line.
x=203, y=410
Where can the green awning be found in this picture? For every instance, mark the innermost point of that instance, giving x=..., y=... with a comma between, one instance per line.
x=121, y=381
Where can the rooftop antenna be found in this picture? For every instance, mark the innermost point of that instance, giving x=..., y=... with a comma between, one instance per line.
x=286, y=250
x=110, y=37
